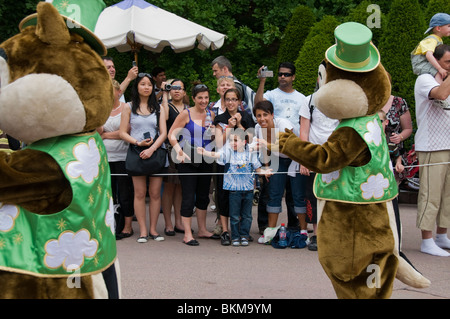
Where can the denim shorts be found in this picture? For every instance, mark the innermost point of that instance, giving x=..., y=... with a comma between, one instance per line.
x=276, y=187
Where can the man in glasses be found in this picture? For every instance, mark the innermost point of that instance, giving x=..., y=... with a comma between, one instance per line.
x=285, y=99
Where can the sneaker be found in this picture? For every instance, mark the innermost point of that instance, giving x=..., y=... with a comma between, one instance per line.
x=236, y=242
x=261, y=240
x=225, y=239
x=312, y=245
x=244, y=241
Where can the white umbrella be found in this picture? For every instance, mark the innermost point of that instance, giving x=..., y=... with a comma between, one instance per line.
x=132, y=24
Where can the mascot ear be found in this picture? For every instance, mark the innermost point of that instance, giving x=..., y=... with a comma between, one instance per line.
x=51, y=27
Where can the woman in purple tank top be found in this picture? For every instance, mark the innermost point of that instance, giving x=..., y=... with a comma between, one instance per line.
x=190, y=130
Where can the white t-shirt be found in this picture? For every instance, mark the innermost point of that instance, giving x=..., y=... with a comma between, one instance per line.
x=280, y=126
x=116, y=149
x=286, y=105
x=321, y=126
x=433, y=122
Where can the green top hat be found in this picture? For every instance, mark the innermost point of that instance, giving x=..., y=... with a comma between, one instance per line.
x=353, y=51
x=81, y=17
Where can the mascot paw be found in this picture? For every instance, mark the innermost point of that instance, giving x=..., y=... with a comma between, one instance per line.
x=409, y=276
x=283, y=137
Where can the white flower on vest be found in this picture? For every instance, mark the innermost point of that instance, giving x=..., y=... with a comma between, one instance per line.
x=88, y=157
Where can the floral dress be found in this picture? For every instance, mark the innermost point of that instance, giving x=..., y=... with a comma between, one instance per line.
x=398, y=108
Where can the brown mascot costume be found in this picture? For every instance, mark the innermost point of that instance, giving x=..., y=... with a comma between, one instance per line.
x=357, y=233
x=56, y=212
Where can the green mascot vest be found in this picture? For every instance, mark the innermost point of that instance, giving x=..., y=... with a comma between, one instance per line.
x=77, y=240
x=371, y=183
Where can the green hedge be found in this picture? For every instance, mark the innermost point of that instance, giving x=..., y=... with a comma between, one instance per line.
x=312, y=54
x=295, y=34
x=405, y=30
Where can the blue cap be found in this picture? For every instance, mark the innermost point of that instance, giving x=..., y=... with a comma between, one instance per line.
x=439, y=19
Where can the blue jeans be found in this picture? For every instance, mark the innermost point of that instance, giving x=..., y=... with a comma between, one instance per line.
x=241, y=203
x=277, y=185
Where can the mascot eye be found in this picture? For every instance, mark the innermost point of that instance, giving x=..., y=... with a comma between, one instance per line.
x=322, y=75
x=4, y=69
x=3, y=54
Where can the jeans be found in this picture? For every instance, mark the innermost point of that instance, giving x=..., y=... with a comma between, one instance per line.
x=277, y=185
x=241, y=203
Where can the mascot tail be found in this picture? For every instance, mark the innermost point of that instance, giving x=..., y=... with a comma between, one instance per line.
x=408, y=275
x=406, y=272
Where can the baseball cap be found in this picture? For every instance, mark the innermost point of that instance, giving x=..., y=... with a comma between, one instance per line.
x=439, y=19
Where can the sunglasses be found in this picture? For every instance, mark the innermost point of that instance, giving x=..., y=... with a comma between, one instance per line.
x=286, y=75
x=176, y=88
x=141, y=75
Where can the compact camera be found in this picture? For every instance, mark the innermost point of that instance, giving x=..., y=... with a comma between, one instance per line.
x=265, y=73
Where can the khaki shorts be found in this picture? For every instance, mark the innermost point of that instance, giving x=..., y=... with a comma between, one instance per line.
x=433, y=207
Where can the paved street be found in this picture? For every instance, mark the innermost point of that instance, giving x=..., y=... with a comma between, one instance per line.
x=173, y=270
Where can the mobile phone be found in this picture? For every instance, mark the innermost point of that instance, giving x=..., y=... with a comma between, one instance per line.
x=146, y=135
x=134, y=63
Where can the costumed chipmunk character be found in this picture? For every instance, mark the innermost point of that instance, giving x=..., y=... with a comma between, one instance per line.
x=357, y=233
x=56, y=211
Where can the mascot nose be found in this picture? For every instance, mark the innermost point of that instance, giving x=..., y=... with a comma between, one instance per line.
x=342, y=99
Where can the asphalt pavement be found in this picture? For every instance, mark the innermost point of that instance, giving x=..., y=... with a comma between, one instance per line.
x=172, y=270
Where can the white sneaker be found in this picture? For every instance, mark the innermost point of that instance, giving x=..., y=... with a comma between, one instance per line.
x=261, y=240
x=244, y=242
x=235, y=243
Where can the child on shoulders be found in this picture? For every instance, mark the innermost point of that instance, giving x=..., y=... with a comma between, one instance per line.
x=422, y=59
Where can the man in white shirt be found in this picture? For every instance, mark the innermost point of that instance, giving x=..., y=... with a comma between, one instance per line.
x=285, y=99
x=432, y=145
x=286, y=102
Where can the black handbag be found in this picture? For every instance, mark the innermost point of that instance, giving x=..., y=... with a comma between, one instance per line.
x=136, y=166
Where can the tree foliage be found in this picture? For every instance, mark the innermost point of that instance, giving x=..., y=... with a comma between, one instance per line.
x=296, y=33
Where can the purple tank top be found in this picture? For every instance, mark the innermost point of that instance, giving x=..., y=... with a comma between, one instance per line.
x=196, y=132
